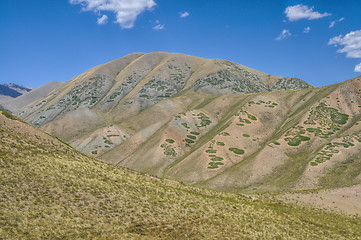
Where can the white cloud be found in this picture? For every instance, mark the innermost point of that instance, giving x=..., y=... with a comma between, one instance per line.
x=351, y=43
x=183, y=14
x=103, y=20
x=126, y=11
x=158, y=27
x=332, y=24
x=300, y=11
x=307, y=30
x=285, y=33
x=358, y=68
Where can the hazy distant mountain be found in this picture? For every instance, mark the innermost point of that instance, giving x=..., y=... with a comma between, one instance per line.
x=18, y=88
x=13, y=104
x=13, y=90
x=211, y=123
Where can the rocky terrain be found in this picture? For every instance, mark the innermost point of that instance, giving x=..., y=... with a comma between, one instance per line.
x=209, y=123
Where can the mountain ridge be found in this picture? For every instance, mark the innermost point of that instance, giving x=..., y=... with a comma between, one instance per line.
x=209, y=123
x=163, y=81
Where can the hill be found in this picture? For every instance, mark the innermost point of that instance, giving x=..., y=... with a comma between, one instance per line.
x=50, y=191
x=226, y=127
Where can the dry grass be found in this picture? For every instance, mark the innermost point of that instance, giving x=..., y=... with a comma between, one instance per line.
x=50, y=191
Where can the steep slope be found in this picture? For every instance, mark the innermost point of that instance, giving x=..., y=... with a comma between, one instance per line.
x=27, y=98
x=50, y=191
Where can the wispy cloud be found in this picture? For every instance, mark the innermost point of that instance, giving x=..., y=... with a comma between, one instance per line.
x=183, y=14
x=351, y=43
x=126, y=11
x=307, y=30
x=358, y=68
x=332, y=24
x=300, y=11
x=284, y=34
x=159, y=26
x=102, y=20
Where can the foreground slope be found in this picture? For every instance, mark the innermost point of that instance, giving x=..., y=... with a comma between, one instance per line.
x=50, y=191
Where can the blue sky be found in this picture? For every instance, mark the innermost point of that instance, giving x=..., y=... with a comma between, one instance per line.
x=55, y=40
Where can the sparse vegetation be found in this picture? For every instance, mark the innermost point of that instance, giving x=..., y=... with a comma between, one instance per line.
x=185, y=125
x=220, y=144
x=169, y=140
x=168, y=150
x=191, y=137
x=237, y=151
x=8, y=115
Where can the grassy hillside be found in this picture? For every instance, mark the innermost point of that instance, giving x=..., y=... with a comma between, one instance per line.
x=50, y=191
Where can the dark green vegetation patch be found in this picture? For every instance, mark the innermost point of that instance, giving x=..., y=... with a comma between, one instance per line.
x=333, y=148
x=169, y=140
x=329, y=121
x=236, y=150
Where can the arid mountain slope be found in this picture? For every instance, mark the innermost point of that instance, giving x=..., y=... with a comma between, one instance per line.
x=50, y=191
x=184, y=118
x=135, y=82
x=256, y=142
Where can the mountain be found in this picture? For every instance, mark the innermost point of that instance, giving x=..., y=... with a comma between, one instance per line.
x=51, y=191
x=13, y=104
x=142, y=80
x=209, y=123
x=6, y=91
x=13, y=90
x=18, y=88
